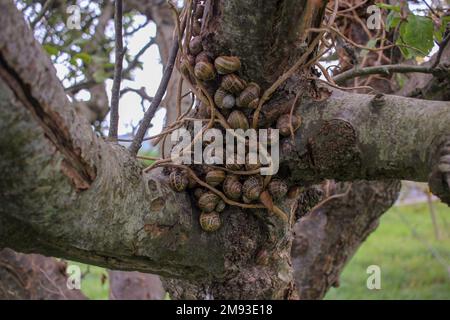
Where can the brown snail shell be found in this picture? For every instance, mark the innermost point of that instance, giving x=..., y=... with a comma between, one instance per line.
x=252, y=187
x=178, y=181
x=220, y=206
x=223, y=99
x=208, y=201
x=215, y=177
x=195, y=45
x=250, y=93
x=253, y=104
x=186, y=63
x=233, y=83
x=210, y=222
x=198, y=192
x=246, y=200
x=277, y=188
x=204, y=71
x=202, y=56
x=238, y=120
x=232, y=187
x=227, y=64
x=283, y=124
x=262, y=258
x=252, y=166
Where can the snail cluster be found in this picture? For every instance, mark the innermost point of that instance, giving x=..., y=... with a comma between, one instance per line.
x=236, y=100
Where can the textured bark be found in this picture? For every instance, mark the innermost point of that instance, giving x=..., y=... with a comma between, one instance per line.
x=328, y=236
x=65, y=192
x=134, y=286
x=33, y=277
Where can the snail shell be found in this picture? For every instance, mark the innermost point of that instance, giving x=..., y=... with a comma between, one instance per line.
x=223, y=99
x=208, y=201
x=178, y=181
x=210, y=222
x=253, y=104
x=227, y=64
x=215, y=177
x=277, y=188
x=198, y=192
x=202, y=56
x=204, y=71
x=250, y=93
x=220, y=206
x=262, y=258
x=283, y=124
x=195, y=45
x=233, y=83
x=232, y=187
x=238, y=120
x=186, y=63
x=252, y=187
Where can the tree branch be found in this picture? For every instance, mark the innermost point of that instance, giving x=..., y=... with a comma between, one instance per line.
x=385, y=70
x=119, y=52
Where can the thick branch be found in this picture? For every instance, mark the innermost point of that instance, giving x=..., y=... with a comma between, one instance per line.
x=355, y=136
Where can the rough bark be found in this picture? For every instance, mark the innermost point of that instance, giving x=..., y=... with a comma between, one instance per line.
x=328, y=236
x=134, y=286
x=65, y=192
x=33, y=277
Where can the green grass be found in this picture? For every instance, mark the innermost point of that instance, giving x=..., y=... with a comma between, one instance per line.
x=409, y=270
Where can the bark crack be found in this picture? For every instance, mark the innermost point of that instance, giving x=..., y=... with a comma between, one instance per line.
x=74, y=167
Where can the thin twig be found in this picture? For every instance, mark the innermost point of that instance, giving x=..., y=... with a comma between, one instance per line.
x=384, y=69
x=41, y=13
x=442, y=46
x=149, y=114
x=115, y=95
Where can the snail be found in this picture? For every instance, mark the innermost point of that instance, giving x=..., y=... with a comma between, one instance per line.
x=178, y=181
x=233, y=83
x=227, y=64
x=262, y=258
x=277, y=188
x=195, y=45
x=238, y=120
x=232, y=187
x=283, y=124
x=252, y=187
x=204, y=71
x=250, y=93
x=215, y=177
x=198, y=192
x=220, y=206
x=186, y=63
x=210, y=222
x=223, y=99
x=208, y=201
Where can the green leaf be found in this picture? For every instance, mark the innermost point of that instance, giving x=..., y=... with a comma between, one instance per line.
x=417, y=34
x=440, y=32
x=100, y=76
x=392, y=20
x=51, y=49
x=388, y=7
x=83, y=56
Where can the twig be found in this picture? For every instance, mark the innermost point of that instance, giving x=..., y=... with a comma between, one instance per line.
x=115, y=95
x=384, y=69
x=149, y=114
x=442, y=46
